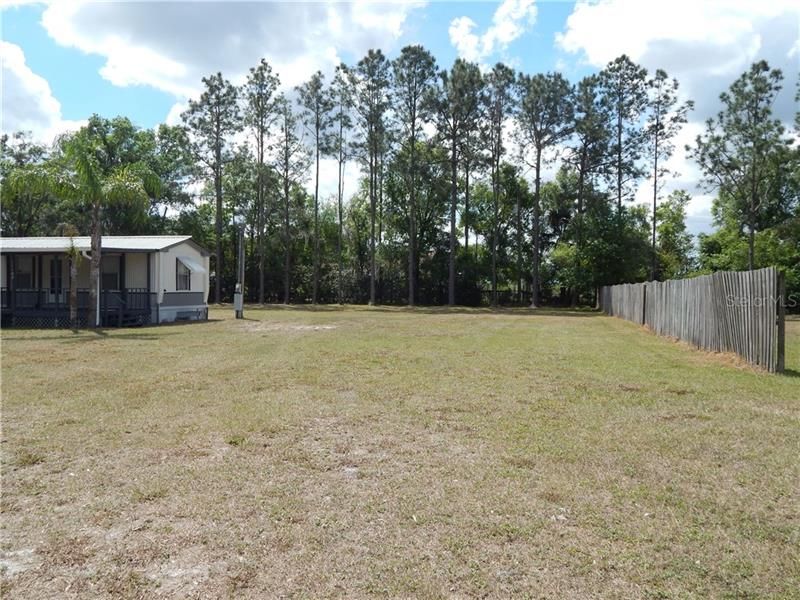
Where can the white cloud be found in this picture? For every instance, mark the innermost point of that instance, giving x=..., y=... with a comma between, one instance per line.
x=794, y=50
x=174, y=115
x=4, y=4
x=463, y=39
x=705, y=45
x=604, y=30
x=27, y=101
x=511, y=19
x=329, y=179
x=171, y=46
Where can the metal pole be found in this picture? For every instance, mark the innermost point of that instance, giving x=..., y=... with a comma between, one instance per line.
x=238, y=296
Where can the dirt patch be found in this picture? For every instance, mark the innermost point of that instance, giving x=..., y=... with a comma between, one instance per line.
x=679, y=391
x=685, y=417
x=630, y=388
x=181, y=573
x=14, y=562
x=277, y=326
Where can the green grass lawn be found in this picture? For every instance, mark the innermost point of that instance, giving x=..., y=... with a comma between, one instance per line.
x=428, y=453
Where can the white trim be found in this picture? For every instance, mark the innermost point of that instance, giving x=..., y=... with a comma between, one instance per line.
x=192, y=264
x=113, y=243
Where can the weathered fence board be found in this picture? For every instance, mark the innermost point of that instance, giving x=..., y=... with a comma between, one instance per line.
x=741, y=312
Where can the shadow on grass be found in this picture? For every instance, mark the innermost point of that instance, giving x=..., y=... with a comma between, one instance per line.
x=791, y=373
x=83, y=337
x=144, y=337
x=142, y=333
x=430, y=310
x=172, y=324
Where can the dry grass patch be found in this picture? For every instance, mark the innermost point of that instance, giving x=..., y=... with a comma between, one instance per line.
x=427, y=453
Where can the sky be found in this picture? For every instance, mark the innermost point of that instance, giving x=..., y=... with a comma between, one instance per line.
x=65, y=60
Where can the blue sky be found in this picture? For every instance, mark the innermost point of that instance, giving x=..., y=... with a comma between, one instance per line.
x=74, y=76
x=63, y=61
x=75, y=80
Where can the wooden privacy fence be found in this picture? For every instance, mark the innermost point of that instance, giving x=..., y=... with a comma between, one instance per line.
x=741, y=312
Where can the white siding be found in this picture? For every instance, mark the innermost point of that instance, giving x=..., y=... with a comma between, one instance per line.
x=168, y=266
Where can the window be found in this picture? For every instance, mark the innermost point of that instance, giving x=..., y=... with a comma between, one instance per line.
x=24, y=273
x=55, y=275
x=110, y=273
x=183, y=276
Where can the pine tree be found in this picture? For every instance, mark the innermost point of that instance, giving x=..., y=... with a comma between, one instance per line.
x=413, y=76
x=588, y=156
x=369, y=81
x=212, y=120
x=544, y=119
x=316, y=115
x=259, y=95
x=664, y=120
x=341, y=102
x=624, y=86
x=456, y=106
x=291, y=163
x=499, y=104
x=740, y=148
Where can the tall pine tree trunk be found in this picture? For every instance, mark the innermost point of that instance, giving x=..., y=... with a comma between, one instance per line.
x=380, y=199
x=372, y=185
x=751, y=215
x=260, y=249
x=654, y=265
x=537, y=228
x=412, y=229
x=287, y=259
x=218, y=195
x=466, y=208
x=518, y=226
x=315, y=292
x=261, y=225
x=579, y=234
x=495, y=218
x=619, y=156
x=340, y=193
x=451, y=287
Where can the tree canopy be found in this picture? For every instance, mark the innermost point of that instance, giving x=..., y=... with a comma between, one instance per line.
x=476, y=187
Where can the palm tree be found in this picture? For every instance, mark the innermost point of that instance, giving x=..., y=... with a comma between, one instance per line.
x=74, y=255
x=96, y=179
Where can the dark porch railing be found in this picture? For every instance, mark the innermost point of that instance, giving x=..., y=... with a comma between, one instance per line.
x=117, y=307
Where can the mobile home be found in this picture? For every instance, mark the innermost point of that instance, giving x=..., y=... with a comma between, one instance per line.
x=143, y=280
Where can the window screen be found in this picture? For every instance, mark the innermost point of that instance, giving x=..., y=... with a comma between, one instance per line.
x=110, y=270
x=183, y=276
x=55, y=275
x=24, y=273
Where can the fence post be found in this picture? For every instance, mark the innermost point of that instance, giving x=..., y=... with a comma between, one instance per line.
x=781, y=359
x=644, y=304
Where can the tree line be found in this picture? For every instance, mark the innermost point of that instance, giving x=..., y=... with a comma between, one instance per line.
x=453, y=206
